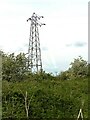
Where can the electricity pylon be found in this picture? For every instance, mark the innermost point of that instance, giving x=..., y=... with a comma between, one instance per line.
x=34, y=51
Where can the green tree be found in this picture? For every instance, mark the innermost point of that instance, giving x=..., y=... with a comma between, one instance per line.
x=13, y=67
x=20, y=64
x=64, y=75
x=8, y=66
x=79, y=67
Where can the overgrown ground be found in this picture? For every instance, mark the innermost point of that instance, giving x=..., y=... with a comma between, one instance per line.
x=48, y=98
x=42, y=95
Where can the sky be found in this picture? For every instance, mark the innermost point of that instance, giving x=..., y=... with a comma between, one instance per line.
x=63, y=38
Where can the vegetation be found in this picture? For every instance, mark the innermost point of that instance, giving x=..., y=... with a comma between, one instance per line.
x=42, y=95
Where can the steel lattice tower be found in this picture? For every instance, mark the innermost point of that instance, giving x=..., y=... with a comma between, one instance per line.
x=34, y=51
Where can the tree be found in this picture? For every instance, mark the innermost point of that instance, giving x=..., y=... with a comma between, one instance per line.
x=13, y=67
x=64, y=75
x=21, y=67
x=79, y=67
x=8, y=66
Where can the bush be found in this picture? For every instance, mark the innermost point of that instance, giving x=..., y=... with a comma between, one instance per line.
x=57, y=99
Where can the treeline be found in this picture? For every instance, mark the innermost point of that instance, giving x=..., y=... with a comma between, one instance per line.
x=14, y=68
x=27, y=95
x=79, y=68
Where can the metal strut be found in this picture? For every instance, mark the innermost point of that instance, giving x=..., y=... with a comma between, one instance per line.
x=34, y=51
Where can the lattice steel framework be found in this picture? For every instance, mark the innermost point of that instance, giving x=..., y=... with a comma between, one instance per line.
x=34, y=51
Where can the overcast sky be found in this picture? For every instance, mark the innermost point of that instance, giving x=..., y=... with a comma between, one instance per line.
x=64, y=37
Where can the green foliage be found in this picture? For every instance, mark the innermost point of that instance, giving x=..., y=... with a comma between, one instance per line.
x=48, y=99
x=79, y=67
x=13, y=67
x=64, y=75
x=49, y=96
